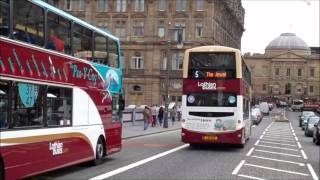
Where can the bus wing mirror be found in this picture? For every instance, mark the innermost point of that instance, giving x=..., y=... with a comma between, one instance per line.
x=121, y=103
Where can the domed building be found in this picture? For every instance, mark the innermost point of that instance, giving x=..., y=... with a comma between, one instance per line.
x=287, y=70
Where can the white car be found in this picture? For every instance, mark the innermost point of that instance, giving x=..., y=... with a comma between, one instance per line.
x=264, y=108
x=256, y=115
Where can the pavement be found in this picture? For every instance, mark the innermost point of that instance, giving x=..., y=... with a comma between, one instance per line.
x=131, y=130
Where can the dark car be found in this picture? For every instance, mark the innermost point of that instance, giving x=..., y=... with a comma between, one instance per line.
x=309, y=126
x=316, y=133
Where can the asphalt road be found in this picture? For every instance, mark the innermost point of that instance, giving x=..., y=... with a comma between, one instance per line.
x=275, y=150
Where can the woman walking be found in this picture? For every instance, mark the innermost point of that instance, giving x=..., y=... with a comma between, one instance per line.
x=160, y=115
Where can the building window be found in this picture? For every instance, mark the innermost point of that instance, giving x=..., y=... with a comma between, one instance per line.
x=138, y=28
x=162, y=5
x=199, y=29
x=288, y=88
x=103, y=26
x=120, y=29
x=103, y=5
x=264, y=87
x=180, y=25
x=81, y=5
x=181, y=5
x=311, y=89
x=137, y=61
x=121, y=6
x=164, y=60
x=139, y=6
x=161, y=29
x=199, y=5
x=299, y=72
x=264, y=71
x=177, y=61
x=68, y=5
x=277, y=71
x=311, y=72
x=288, y=72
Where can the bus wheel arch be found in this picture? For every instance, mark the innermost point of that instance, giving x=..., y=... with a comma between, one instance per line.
x=100, y=151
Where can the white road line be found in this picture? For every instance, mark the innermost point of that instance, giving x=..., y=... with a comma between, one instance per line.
x=304, y=154
x=299, y=145
x=139, y=163
x=313, y=174
x=278, y=137
x=277, y=140
x=296, y=138
x=279, y=160
x=236, y=170
x=277, y=134
x=263, y=133
x=257, y=142
x=261, y=137
x=254, y=126
x=274, y=169
x=267, y=142
x=272, y=152
x=151, y=135
x=250, y=152
x=250, y=177
x=274, y=147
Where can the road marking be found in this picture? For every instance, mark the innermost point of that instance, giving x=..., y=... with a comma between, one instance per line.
x=274, y=147
x=278, y=143
x=272, y=152
x=304, y=154
x=280, y=137
x=279, y=160
x=278, y=132
x=277, y=140
x=263, y=133
x=139, y=163
x=151, y=135
x=299, y=145
x=274, y=169
x=236, y=170
x=313, y=174
x=250, y=177
x=261, y=137
x=257, y=142
x=296, y=138
x=250, y=152
x=254, y=126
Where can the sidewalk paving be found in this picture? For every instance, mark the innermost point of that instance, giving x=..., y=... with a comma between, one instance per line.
x=130, y=130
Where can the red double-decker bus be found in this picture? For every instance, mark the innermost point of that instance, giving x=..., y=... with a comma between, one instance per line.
x=216, y=96
x=60, y=90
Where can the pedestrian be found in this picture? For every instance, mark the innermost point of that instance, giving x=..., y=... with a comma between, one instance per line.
x=145, y=118
x=154, y=115
x=160, y=116
x=179, y=115
x=133, y=115
x=173, y=114
x=150, y=116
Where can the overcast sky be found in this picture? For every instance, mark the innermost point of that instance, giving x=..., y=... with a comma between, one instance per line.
x=267, y=19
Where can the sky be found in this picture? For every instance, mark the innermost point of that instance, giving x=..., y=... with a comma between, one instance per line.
x=265, y=20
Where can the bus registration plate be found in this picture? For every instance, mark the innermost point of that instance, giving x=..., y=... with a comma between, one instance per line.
x=210, y=138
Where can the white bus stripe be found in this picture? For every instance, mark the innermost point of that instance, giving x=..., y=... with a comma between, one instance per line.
x=267, y=142
x=274, y=169
x=304, y=154
x=250, y=177
x=139, y=163
x=274, y=147
x=313, y=174
x=272, y=152
x=279, y=160
x=250, y=152
x=236, y=170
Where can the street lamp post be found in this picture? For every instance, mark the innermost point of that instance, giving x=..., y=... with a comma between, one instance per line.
x=168, y=66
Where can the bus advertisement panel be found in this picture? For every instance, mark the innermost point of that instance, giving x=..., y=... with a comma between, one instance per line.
x=60, y=98
x=216, y=96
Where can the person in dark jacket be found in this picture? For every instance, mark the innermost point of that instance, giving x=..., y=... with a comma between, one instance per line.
x=160, y=116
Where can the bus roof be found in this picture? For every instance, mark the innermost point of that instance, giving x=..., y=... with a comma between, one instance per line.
x=72, y=18
x=213, y=48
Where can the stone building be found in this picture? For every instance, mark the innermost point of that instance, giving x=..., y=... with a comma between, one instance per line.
x=145, y=28
x=287, y=70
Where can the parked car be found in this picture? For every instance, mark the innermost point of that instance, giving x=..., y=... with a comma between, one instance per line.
x=256, y=115
x=309, y=126
x=304, y=114
x=283, y=104
x=264, y=108
x=316, y=133
x=297, y=105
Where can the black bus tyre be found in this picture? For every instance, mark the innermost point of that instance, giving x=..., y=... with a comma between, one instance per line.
x=100, y=152
x=243, y=140
x=1, y=170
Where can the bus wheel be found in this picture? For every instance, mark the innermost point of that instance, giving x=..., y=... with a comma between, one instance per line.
x=243, y=140
x=100, y=151
x=1, y=171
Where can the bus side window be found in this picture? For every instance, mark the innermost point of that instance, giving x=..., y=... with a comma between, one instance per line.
x=82, y=42
x=4, y=103
x=59, y=33
x=4, y=18
x=101, y=49
x=113, y=54
x=28, y=22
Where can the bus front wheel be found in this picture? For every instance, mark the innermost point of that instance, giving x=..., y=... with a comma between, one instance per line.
x=243, y=139
x=100, y=152
x=1, y=170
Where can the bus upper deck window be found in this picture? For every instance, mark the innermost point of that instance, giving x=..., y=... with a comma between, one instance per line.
x=4, y=17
